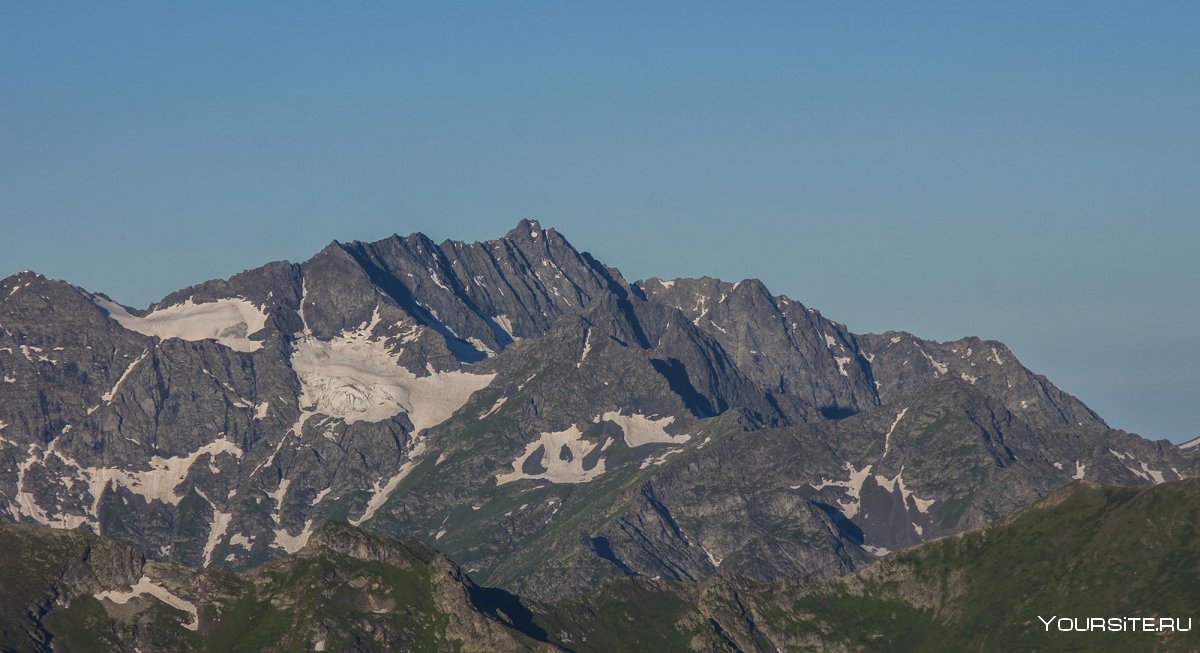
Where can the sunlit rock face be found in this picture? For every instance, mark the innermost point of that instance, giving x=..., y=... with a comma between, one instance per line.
x=517, y=401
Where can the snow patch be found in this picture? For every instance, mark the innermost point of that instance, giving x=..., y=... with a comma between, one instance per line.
x=495, y=407
x=164, y=475
x=293, y=543
x=1142, y=471
x=587, y=347
x=559, y=466
x=887, y=438
x=41, y=358
x=897, y=483
x=853, y=486
x=356, y=378
x=481, y=346
x=504, y=322
x=229, y=321
x=157, y=483
x=995, y=357
x=939, y=368
x=1155, y=476
x=714, y=560
x=654, y=461
x=147, y=586
x=280, y=492
x=639, y=429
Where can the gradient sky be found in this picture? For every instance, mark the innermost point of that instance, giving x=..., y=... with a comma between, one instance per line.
x=1028, y=172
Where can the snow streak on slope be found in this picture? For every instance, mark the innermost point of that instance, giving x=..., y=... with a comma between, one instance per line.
x=108, y=396
x=228, y=321
x=587, y=347
x=505, y=323
x=1143, y=470
x=220, y=524
x=495, y=407
x=356, y=378
x=382, y=490
x=887, y=438
x=147, y=586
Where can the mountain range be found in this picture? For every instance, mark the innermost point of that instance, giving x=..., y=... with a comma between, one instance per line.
x=1083, y=551
x=519, y=405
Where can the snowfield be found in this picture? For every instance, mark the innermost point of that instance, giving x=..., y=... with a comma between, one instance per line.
x=561, y=460
x=639, y=429
x=356, y=378
x=228, y=321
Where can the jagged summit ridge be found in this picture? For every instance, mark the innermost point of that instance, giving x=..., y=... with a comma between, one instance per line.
x=466, y=392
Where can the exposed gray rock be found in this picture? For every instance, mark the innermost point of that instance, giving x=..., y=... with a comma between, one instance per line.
x=546, y=422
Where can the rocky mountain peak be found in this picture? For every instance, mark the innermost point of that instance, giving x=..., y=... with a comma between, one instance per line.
x=516, y=400
x=526, y=229
x=341, y=538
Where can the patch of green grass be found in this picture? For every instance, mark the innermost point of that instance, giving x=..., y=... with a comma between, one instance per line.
x=82, y=626
x=865, y=623
x=951, y=510
x=250, y=624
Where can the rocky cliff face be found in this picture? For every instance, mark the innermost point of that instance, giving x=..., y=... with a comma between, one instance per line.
x=1083, y=550
x=517, y=402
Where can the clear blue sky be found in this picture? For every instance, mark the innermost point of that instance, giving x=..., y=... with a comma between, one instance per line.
x=1028, y=171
